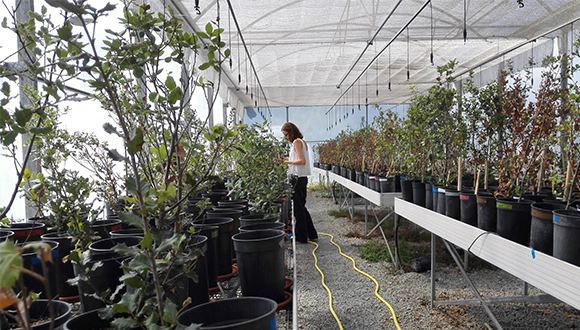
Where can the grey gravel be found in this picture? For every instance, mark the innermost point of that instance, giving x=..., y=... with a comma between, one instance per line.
x=408, y=293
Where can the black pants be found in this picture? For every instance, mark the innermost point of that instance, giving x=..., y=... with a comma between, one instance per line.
x=304, y=228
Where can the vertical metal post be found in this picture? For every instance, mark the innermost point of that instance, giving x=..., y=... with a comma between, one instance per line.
x=433, y=266
x=397, y=257
x=23, y=7
x=225, y=114
x=287, y=115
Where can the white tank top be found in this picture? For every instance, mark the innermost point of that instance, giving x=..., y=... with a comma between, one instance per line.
x=300, y=170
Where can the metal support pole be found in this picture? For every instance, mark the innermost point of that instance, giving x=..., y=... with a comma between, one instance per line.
x=455, y=256
x=433, y=269
x=210, y=101
x=397, y=256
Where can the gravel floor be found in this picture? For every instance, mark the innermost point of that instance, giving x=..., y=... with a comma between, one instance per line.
x=408, y=293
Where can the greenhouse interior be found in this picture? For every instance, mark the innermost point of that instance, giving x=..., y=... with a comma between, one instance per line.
x=179, y=164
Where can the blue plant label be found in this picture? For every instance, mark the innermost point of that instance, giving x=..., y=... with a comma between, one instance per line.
x=555, y=218
x=533, y=254
x=434, y=190
x=273, y=324
x=35, y=260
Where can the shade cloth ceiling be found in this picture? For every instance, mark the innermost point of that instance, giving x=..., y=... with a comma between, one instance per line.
x=337, y=52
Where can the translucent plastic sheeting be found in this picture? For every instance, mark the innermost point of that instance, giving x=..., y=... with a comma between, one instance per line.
x=310, y=53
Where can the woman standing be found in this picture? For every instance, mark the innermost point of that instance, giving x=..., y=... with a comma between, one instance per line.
x=299, y=170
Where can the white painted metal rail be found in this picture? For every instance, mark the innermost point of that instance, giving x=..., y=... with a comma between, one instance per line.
x=551, y=275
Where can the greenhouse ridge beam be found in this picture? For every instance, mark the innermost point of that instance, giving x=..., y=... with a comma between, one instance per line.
x=380, y=53
x=369, y=43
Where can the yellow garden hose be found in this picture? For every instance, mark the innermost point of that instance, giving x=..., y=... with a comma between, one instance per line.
x=358, y=270
x=324, y=285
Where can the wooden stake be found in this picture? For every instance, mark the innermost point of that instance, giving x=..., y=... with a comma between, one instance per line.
x=567, y=182
x=541, y=171
x=477, y=181
x=485, y=175
x=459, y=176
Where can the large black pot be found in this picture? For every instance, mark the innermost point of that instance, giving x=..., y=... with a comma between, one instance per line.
x=486, y=212
x=260, y=256
x=244, y=313
x=211, y=256
x=66, y=268
x=199, y=291
x=258, y=217
x=468, y=208
x=224, y=242
x=418, y=193
x=31, y=262
x=566, y=234
x=542, y=228
x=39, y=310
x=26, y=231
x=514, y=220
x=407, y=190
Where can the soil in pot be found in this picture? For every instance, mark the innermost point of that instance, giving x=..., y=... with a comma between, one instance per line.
x=40, y=314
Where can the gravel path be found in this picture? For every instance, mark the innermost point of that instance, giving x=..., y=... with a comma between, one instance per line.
x=408, y=293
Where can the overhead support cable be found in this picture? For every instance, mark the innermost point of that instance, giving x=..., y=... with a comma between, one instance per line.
x=382, y=51
x=369, y=43
x=247, y=52
x=511, y=49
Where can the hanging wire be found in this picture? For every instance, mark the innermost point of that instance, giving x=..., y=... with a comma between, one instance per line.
x=230, y=38
x=532, y=62
x=377, y=73
x=464, y=21
x=359, y=99
x=432, y=35
x=247, y=88
x=408, y=56
x=366, y=88
x=352, y=101
x=389, y=68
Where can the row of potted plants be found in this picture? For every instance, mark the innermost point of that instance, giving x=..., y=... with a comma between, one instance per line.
x=169, y=154
x=504, y=139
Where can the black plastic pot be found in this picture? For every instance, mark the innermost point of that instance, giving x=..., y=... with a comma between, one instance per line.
x=224, y=242
x=371, y=182
x=418, y=193
x=199, y=291
x=90, y=321
x=468, y=208
x=441, y=200
x=235, y=214
x=486, y=212
x=4, y=235
x=246, y=220
x=31, y=262
x=66, y=268
x=103, y=278
x=429, y=196
x=387, y=184
x=102, y=228
x=129, y=232
x=435, y=197
x=193, y=209
x=211, y=256
x=452, y=204
x=262, y=226
x=26, y=231
x=215, y=196
x=514, y=220
x=360, y=178
x=542, y=228
x=244, y=313
x=260, y=257
x=352, y=174
x=407, y=190
x=566, y=234
x=39, y=310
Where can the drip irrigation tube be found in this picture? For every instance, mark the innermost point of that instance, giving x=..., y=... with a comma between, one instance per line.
x=355, y=268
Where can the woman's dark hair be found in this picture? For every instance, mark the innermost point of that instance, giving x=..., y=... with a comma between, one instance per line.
x=293, y=131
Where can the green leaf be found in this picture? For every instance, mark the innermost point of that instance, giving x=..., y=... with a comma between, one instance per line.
x=116, y=156
x=138, y=72
x=135, y=143
x=209, y=28
x=111, y=129
x=65, y=32
x=124, y=323
x=124, y=250
x=41, y=130
x=140, y=263
x=6, y=88
x=174, y=95
x=147, y=241
x=131, y=219
x=23, y=116
x=9, y=257
x=170, y=83
x=170, y=312
x=205, y=66
x=132, y=280
x=108, y=7
x=9, y=138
